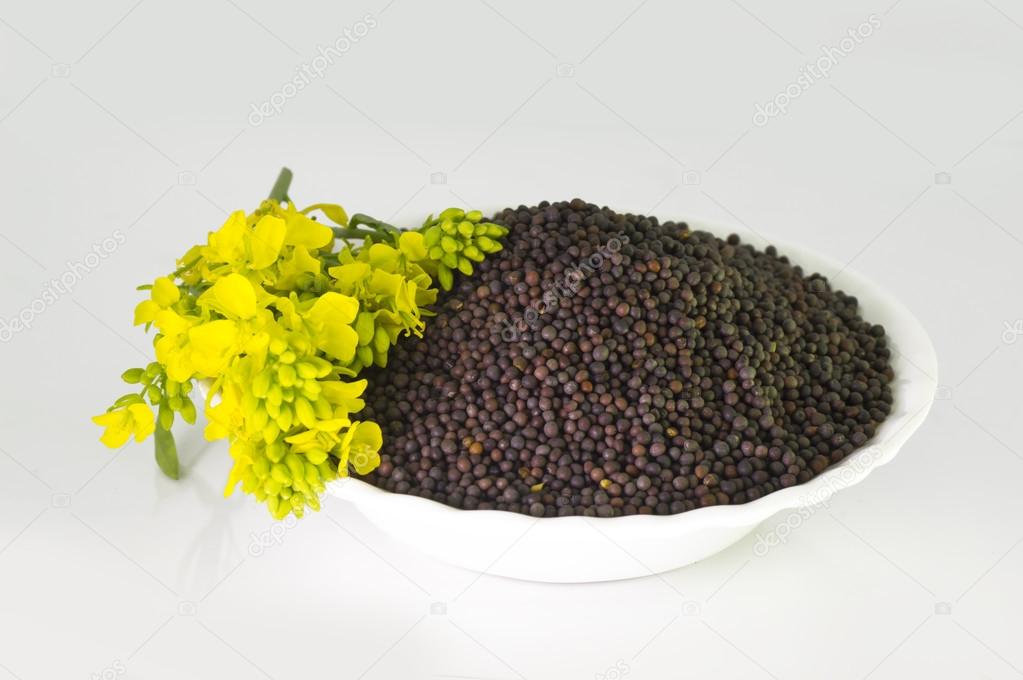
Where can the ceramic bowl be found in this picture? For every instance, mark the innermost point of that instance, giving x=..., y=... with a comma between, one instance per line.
x=583, y=549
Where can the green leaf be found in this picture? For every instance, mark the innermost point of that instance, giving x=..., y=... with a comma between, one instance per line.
x=166, y=452
x=165, y=415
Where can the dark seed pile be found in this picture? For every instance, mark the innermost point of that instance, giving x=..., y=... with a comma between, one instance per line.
x=608, y=364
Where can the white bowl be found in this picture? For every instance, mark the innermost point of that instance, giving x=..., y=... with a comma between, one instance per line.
x=584, y=549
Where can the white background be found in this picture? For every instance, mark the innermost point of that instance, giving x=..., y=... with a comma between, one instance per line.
x=133, y=122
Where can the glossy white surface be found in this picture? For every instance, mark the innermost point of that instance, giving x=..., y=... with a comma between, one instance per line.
x=131, y=118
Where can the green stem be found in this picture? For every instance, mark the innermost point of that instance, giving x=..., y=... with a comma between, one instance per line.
x=350, y=232
x=280, y=191
x=359, y=220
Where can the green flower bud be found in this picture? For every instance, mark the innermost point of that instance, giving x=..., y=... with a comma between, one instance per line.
x=364, y=326
x=286, y=375
x=304, y=412
x=280, y=473
x=275, y=451
x=261, y=384
x=487, y=245
x=259, y=419
x=285, y=419
x=444, y=276
x=380, y=341
x=261, y=467
x=188, y=411
x=315, y=456
x=127, y=400
x=132, y=376
x=432, y=236
x=295, y=464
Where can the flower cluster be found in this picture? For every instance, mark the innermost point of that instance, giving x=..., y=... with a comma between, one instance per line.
x=277, y=314
x=456, y=239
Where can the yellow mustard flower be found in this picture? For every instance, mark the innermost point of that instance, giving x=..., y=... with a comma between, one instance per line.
x=360, y=447
x=122, y=423
x=163, y=294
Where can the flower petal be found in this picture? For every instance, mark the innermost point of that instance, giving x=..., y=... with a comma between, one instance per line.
x=303, y=231
x=164, y=292
x=234, y=296
x=267, y=239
